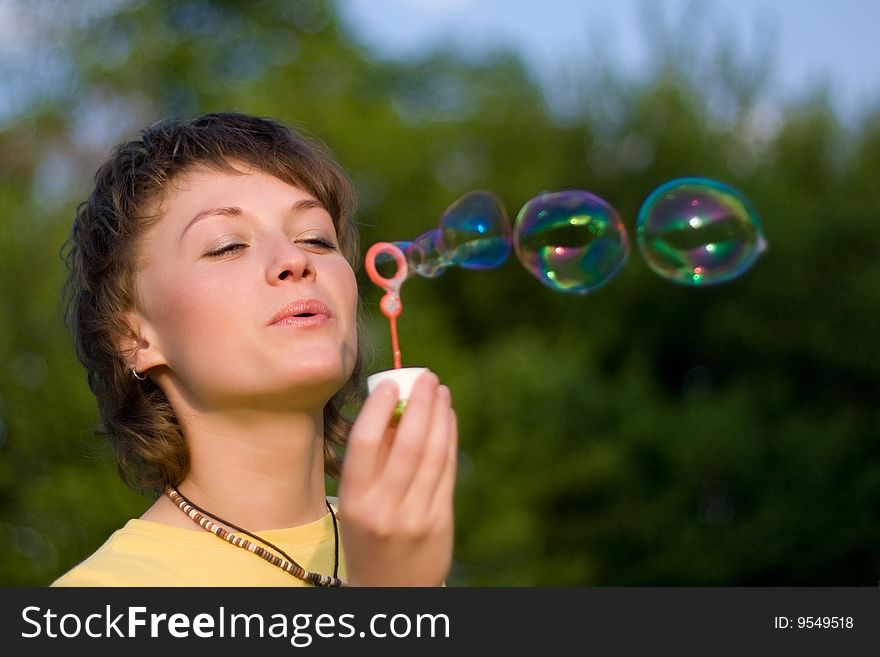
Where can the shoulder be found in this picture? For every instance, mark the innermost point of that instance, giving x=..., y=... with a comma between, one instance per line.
x=93, y=571
x=138, y=554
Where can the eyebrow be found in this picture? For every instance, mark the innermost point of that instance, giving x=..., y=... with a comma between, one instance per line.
x=235, y=211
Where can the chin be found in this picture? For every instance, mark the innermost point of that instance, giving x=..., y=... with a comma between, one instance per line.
x=321, y=364
x=318, y=374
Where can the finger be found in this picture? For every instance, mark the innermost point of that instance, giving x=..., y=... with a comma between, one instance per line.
x=444, y=495
x=429, y=470
x=409, y=441
x=382, y=452
x=364, y=452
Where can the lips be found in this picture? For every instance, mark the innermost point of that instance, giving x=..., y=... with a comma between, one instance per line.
x=302, y=312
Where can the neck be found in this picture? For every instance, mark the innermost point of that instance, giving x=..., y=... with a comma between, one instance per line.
x=259, y=470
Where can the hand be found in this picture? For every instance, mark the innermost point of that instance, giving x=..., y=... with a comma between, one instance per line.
x=396, y=488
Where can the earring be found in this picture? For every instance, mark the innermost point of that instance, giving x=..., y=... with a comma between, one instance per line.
x=142, y=377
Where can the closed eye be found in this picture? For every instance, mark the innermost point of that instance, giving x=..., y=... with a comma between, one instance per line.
x=227, y=249
x=318, y=243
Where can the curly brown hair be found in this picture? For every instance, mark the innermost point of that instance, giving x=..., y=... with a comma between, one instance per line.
x=135, y=415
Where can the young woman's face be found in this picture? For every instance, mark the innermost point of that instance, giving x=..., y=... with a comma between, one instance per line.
x=243, y=296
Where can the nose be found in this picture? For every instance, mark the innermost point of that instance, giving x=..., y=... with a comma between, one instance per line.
x=290, y=263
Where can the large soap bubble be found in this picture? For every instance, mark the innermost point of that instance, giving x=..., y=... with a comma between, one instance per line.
x=571, y=241
x=476, y=231
x=697, y=231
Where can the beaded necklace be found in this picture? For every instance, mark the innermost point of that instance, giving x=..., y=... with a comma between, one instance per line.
x=287, y=563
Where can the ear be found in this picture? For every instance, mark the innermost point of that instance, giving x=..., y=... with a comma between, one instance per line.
x=139, y=344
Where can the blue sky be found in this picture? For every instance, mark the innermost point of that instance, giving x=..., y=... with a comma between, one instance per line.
x=810, y=41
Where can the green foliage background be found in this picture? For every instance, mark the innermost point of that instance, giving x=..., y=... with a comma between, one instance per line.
x=647, y=434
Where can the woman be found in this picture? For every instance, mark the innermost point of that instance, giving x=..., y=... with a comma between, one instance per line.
x=213, y=302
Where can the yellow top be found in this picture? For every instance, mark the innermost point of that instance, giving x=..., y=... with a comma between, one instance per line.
x=147, y=553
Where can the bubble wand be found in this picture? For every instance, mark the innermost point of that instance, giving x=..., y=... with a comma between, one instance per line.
x=390, y=303
x=391, y=306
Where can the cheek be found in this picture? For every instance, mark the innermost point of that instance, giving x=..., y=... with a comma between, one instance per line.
x=350, y=295
x=344, y=291
x=351, y=337
x=190, y=312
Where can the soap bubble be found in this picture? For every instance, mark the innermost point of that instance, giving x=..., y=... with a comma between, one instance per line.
x=572, y=241
x=427, y=256
x=697, y=231
x=476, y=231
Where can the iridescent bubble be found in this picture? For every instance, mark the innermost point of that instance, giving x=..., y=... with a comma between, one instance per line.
x=427, y=255
x=697, y=231
x=571, y=241
x=476, y=231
